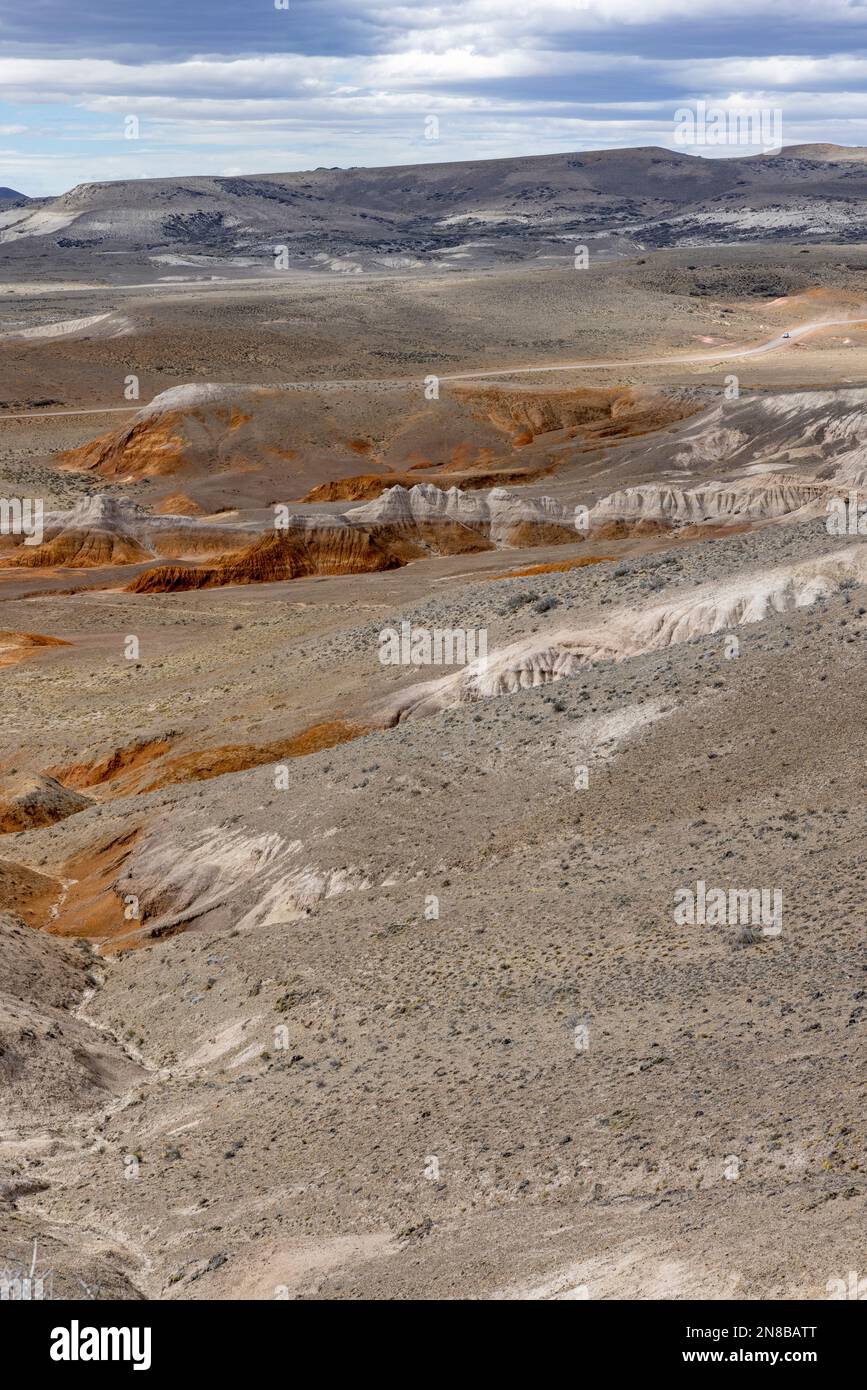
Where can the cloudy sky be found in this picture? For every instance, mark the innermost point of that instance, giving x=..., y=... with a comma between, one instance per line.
x=242, y=86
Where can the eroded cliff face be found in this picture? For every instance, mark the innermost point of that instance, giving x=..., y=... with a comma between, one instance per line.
x=105, y=530
x=752, y=440
x=329, y=548
x=400, y=526
x=757, y=500
x=82, y=549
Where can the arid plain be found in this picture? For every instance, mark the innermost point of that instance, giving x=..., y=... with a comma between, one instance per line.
x=330, y=976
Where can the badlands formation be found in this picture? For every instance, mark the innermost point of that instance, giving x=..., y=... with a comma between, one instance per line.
x=395, y=643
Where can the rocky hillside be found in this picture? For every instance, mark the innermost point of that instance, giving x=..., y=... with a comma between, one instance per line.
x=457, y=216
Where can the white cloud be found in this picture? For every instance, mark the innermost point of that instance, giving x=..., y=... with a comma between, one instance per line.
x=503, y=78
